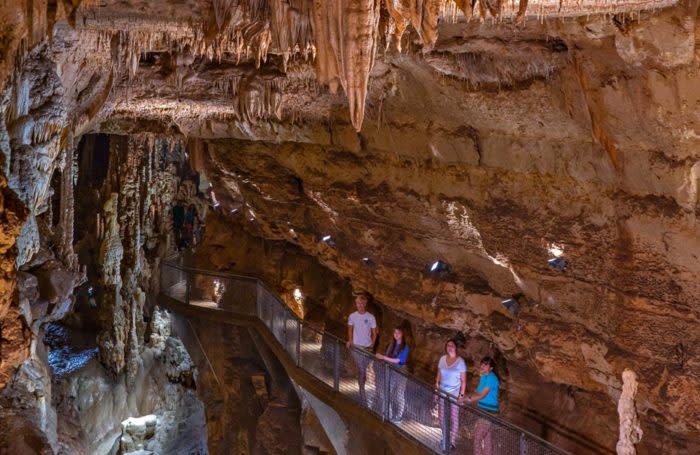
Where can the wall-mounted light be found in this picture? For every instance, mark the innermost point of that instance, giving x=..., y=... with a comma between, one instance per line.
x=328, y=240
x=367, y=261
x=511, y=305
x=439, y=266
x=557, y=261
x=559, y=264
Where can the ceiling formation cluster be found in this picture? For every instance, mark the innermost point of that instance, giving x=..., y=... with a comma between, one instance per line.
x=260, y=37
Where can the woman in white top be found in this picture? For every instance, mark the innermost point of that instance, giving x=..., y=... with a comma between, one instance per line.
x=451, y=379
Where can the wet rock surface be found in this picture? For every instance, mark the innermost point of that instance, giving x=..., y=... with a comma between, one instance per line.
x=69, y=350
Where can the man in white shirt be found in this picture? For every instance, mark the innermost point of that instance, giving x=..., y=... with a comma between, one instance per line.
x=362, y=333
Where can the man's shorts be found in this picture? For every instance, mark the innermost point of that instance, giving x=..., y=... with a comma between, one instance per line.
x=363, y=359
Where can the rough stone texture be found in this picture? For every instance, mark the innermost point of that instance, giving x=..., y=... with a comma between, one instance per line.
x=160, y=329
x=630, y=431
x=136, y=431
x=178, y=366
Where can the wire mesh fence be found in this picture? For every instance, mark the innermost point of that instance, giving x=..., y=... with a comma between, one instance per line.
x=432, y=418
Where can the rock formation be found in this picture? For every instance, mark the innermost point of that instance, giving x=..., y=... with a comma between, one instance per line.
x=136, y=431
x=491, y=136
x=630, y=431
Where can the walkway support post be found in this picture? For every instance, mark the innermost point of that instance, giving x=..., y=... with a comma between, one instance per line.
x=336, y=366
x=284, y=329
x=271, y=322
x=386, y=402
x=446, y=424
x=299, y=326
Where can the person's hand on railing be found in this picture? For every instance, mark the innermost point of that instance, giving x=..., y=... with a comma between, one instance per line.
x=380, y=356
x=348, y=344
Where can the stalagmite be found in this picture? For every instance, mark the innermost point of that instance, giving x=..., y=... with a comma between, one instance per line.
x=67, y=212
x=112, y=339
x=630, y=431
x=346, y=34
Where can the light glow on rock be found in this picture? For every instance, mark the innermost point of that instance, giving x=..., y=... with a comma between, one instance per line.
x=298, y=295
x=556, y=250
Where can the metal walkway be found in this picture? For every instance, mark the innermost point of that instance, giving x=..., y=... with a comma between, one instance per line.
x=331, y=369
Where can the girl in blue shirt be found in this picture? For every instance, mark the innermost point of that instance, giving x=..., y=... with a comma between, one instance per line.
x=486, y=398
x=397, y=354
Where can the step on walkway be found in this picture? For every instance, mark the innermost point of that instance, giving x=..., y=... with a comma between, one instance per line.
x=325, y=358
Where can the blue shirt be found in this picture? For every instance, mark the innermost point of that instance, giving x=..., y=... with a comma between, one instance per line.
x=490, y=401
x=402, y=356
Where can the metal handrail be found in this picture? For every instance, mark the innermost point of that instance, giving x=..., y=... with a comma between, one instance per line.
x=440, y=394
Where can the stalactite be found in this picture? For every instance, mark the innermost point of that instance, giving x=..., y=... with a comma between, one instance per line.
x=422, y=15
x=346, y=34
x=290, y=23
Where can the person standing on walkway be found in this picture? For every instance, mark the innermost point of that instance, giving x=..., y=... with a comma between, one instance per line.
x=362, y=333
x=396, y=354
x=486, y=399
x=451, y=379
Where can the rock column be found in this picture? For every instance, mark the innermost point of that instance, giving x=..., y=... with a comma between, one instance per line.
x=630, y=431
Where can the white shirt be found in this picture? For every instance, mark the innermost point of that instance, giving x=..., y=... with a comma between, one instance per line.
x=362, y=325
x=450, y=376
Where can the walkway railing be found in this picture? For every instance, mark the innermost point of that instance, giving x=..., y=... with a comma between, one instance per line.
x=411, y=405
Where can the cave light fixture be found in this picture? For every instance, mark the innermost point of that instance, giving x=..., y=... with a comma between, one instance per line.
x=439, y=266
x=511, y=305
x=235, y=210
x=557, y=261
x=367, y=261
x=328, y=240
